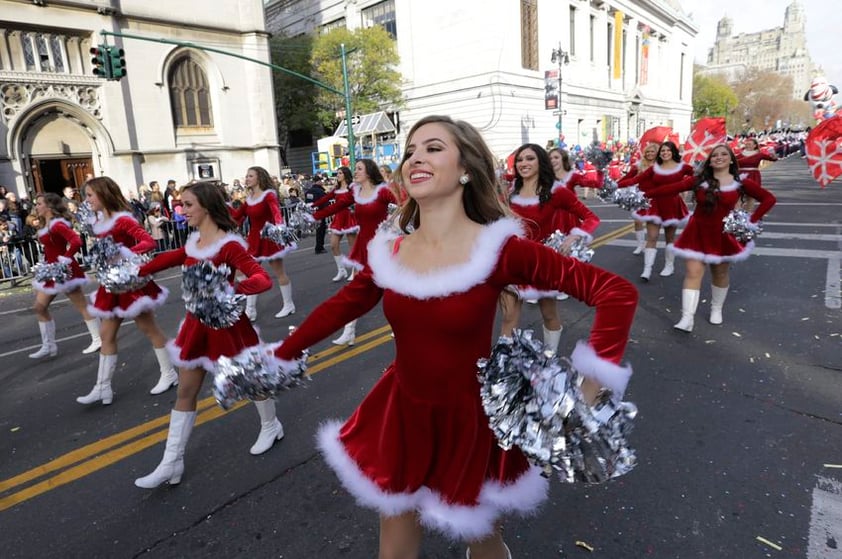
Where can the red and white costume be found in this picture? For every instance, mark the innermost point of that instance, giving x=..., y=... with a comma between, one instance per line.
x=60, y=243
x=343, y=222
x=199, y=346
x=420, y=440
x=566, y=220
x=703, y=237
x=260, y=210
x=541, y=220
x=370, y=212
x=668, y=211
x=125, y=230
x=749, y=162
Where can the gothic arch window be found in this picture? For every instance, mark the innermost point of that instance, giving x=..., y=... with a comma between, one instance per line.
x=190, y=95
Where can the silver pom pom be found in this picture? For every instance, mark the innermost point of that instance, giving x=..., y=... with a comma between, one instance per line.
x=56, y=272
x=253, y=375
x=738, y=223
x=534, y=401
x=280, y=234
x=116, y=268
x=578, y=250
x=607, y=191
x=599, y=156
x=631, y=199
x=86, y=217
x=209, y=296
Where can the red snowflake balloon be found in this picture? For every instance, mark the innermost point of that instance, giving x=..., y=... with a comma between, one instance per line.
x=824, y=150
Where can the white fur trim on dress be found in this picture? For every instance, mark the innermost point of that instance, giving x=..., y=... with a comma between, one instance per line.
x=518, y=200
x=388, y=273
x=371, y=197
x=582, y=233
x=656, y=168
x=205, y=363
x=610, y=375
x=143, y=304
x=103, y=226
x=253, y=200
x=460, y=522
x=727, y=187
x=561, y=183
x=191, y=247
x=353, y=264
x=285, y=249
x=673, y=222
x=57, y=288
x=714, y=258
x=53, y=223
x=349, y=230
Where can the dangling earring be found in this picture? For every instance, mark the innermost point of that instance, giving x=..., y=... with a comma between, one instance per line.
x=464, y=179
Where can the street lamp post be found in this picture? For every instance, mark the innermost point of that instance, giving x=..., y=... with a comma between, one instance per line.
x=561, y=57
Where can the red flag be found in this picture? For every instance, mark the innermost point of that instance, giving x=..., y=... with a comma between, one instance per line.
x=708, y=132
x=824, y=150
x=656, y=135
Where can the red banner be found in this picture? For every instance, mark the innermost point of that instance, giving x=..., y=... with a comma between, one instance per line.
x=824, y=150
x=708, y=133
x=657, y=135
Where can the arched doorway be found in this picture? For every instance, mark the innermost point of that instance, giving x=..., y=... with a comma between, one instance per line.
x=59, y=149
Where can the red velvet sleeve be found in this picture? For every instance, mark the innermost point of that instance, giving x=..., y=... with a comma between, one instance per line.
x=386, y=196
x=257, y=280
x=589, y=182
x=524, y=262
x=564, y=199
x=164, y=260
x=324, y=200
x=274, y=207
x=637, y=178
x=766, y=199
x=238, y=214
x=624, y=180
x=351, y=302
x=144, y=241
x=342, y=201
x=73, y=240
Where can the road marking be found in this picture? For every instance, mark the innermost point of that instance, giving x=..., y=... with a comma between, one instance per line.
x=825, y=538
x=832, y=294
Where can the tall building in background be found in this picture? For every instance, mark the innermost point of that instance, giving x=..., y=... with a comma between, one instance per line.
x=626, y=65
x=782, y=50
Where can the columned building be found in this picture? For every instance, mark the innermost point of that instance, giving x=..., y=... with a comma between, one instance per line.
x=625, y=65
x=180, y=113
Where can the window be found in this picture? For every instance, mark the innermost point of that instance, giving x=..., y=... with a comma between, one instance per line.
x=592, y=32
x=190, y=95
x=529, y=34
x=58, y=57
x=383, y=14
x=572, y=47
x=335, y=24
x=28, y=53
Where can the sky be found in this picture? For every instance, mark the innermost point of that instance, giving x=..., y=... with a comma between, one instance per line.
x=824, y=27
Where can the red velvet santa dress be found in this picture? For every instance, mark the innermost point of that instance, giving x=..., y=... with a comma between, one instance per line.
x=343, y=221
x=565, y=220
x=668, y=211
x=703, y=238
x=60, y=243
x=260, y=210
x=370, y=212
x=199, y=346
x=749, y=162
x=420, y=439
x=541, y=221
x=125, y=230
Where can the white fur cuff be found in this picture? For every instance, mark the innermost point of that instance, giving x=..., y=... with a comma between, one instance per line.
x=610, y=375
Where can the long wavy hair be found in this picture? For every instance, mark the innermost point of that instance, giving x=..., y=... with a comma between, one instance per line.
x=346, y=174
x=264, y=179
x=546, y=175
x=676, y=155
x=565, y=158
x=372, y=170
x=211, y=198
x=480, y=196
x=109, y=194
x=56, y=205
x=711, y=193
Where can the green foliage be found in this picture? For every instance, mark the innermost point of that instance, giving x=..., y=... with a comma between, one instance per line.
x=293, y=96
x=712, y=96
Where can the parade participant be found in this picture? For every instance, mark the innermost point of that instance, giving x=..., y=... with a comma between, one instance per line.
x=343, y=223
x=667, y=212
x=197, y=347
x=648, y=157
x=536, y=201
x=371, y=197
x=566, y=178
x=116, y=221
x=418, y=449
x=717, y=191
x=749, y=161
x=262, y=207
x=60, y=244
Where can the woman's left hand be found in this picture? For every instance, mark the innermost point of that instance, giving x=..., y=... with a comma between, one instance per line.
x=567, y=245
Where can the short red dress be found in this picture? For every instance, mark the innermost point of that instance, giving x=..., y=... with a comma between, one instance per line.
x=199, y=346
x=667, y=211
x=125, y=230
x=60, y=243
x=369, y=212
x=420, y=440
x=260, y=210
x=749, y=162
x=343, y=222
x=703, y=237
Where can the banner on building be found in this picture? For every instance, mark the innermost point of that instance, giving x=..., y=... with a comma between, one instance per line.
x=646, y=39
x=551, y=93
x=618, y=45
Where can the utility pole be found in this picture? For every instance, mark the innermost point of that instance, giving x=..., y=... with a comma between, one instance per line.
x=561, y=57
x=352, y=151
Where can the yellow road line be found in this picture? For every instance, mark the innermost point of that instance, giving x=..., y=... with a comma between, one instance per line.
x=608, y=237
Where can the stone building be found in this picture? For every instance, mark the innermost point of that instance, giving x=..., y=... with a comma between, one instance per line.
x=180, y=113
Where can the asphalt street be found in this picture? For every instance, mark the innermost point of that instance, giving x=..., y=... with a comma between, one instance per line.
x=739, y=436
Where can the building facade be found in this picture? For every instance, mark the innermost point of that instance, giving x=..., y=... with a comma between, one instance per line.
x=180, y=113
x=624, y=65
x=782, y=50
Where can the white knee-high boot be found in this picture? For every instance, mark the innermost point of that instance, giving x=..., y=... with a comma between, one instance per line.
x=251, y=307
x=289, y=306
x=341, y=272
x=169, y=376
x=649, y=255
x=171, y=467
x=689, y=302
x=271, y=429
x=349, y=334
x=93, y=330
x=102, y=388
x=551, y=339
x=48, y=340
x=717, y=300
x=669, y=262
x=640, y=236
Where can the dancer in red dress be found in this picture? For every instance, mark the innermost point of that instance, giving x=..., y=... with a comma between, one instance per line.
x=565, y=178
x=703, y=241
x=537, y=203
x=60, y=244
x=197, y=347
x=666, y=211
x=418, y=449
x=343, y=224
x=648, y=157
x=117, y=221
x=262, y=207
x=749, y=160
x=371, y=197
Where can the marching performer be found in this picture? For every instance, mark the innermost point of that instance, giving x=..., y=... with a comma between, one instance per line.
x=343, y=224
x=749, y=160
x=566, y=178
x=647, y=159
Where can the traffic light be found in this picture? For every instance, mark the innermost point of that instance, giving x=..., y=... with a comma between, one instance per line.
x=118, y=62
x=101, y=62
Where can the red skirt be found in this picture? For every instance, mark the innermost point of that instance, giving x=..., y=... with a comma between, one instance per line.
x=343, y=222
x=668, y=211
x=197, y=346
x=105, y=304
x=77, y=280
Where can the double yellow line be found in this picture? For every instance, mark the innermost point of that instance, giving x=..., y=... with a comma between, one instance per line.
x=610, y=236
x=96, y=456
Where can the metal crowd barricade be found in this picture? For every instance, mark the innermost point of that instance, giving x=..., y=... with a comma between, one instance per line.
x=17, y=259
